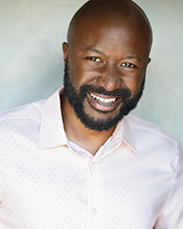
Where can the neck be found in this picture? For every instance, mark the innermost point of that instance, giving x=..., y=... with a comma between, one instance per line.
x=89, y=139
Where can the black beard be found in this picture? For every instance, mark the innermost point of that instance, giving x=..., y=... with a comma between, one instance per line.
x=76, y=100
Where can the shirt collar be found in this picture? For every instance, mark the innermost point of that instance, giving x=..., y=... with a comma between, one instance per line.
x=52, y=132
x=124, y=130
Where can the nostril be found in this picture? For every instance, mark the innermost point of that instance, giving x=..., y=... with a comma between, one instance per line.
x=110, y=83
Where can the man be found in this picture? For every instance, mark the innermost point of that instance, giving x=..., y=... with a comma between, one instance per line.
x=79, y=159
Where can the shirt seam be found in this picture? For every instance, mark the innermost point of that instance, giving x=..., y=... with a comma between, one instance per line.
x=162, y=133
x=172, y=182
x=33, y=117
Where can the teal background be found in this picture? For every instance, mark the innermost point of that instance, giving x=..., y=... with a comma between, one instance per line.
x=31, y=60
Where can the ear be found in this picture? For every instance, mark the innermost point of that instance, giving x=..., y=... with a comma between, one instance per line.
x=65, y=51
x=149, y=60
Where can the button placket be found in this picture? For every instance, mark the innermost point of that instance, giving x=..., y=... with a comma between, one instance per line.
x=93, y=195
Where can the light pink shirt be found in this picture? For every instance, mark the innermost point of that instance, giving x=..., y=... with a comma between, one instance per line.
x=134, y=181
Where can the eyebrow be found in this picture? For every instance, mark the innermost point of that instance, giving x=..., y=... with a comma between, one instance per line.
x=96, y=50
x=133, y=57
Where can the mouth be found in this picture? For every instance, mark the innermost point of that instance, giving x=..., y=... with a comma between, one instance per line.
x=102, y=102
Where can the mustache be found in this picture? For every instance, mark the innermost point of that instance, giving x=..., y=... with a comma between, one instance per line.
x=125, y=92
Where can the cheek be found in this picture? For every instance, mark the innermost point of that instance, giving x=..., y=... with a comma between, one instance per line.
x=134, y=85
x=75, y=74
x=81, y=74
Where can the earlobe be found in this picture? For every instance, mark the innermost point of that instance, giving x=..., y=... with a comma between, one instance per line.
x=65, y=50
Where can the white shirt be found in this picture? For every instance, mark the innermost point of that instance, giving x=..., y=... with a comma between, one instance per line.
x=134, y=181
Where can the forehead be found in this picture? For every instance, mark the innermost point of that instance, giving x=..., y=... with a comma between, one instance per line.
x=105, y=20
x=110, y=34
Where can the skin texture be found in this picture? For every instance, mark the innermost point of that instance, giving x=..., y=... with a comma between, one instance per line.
x=108, y=47
x=77, y=100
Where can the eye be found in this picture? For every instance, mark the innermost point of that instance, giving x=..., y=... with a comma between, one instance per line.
x=94, y=59
x=128, y=65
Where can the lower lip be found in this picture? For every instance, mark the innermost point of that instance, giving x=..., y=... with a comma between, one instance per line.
x=103, y=106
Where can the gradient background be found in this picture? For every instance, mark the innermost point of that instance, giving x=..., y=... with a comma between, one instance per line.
x=31, y=60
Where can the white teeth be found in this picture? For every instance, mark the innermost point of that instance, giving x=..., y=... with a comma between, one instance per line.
x=103, y=100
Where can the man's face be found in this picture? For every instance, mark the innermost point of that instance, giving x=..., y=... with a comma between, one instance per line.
x=76, y=100
x=105, y=75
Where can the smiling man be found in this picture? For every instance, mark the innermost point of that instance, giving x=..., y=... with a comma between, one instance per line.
x=79, y=159
x=105, y=69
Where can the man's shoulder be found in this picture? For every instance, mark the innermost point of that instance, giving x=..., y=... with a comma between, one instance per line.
x=148, y=131
x=31, y=110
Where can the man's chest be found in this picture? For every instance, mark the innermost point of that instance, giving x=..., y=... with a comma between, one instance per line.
x=60, y=190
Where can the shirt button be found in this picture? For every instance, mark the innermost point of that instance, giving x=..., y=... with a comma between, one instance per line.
x=93, y=166
x=94, y=210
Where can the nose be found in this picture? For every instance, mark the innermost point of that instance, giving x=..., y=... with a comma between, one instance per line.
x=109, y=77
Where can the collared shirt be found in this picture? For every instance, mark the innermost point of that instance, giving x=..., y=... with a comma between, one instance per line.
x=134, y=181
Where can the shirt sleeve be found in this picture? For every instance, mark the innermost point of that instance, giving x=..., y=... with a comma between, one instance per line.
x=171, y=215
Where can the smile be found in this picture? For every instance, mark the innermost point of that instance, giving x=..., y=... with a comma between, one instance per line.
x=111, y=100
x=103, y=103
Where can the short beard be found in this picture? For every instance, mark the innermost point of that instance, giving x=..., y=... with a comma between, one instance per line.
x=76, y=100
